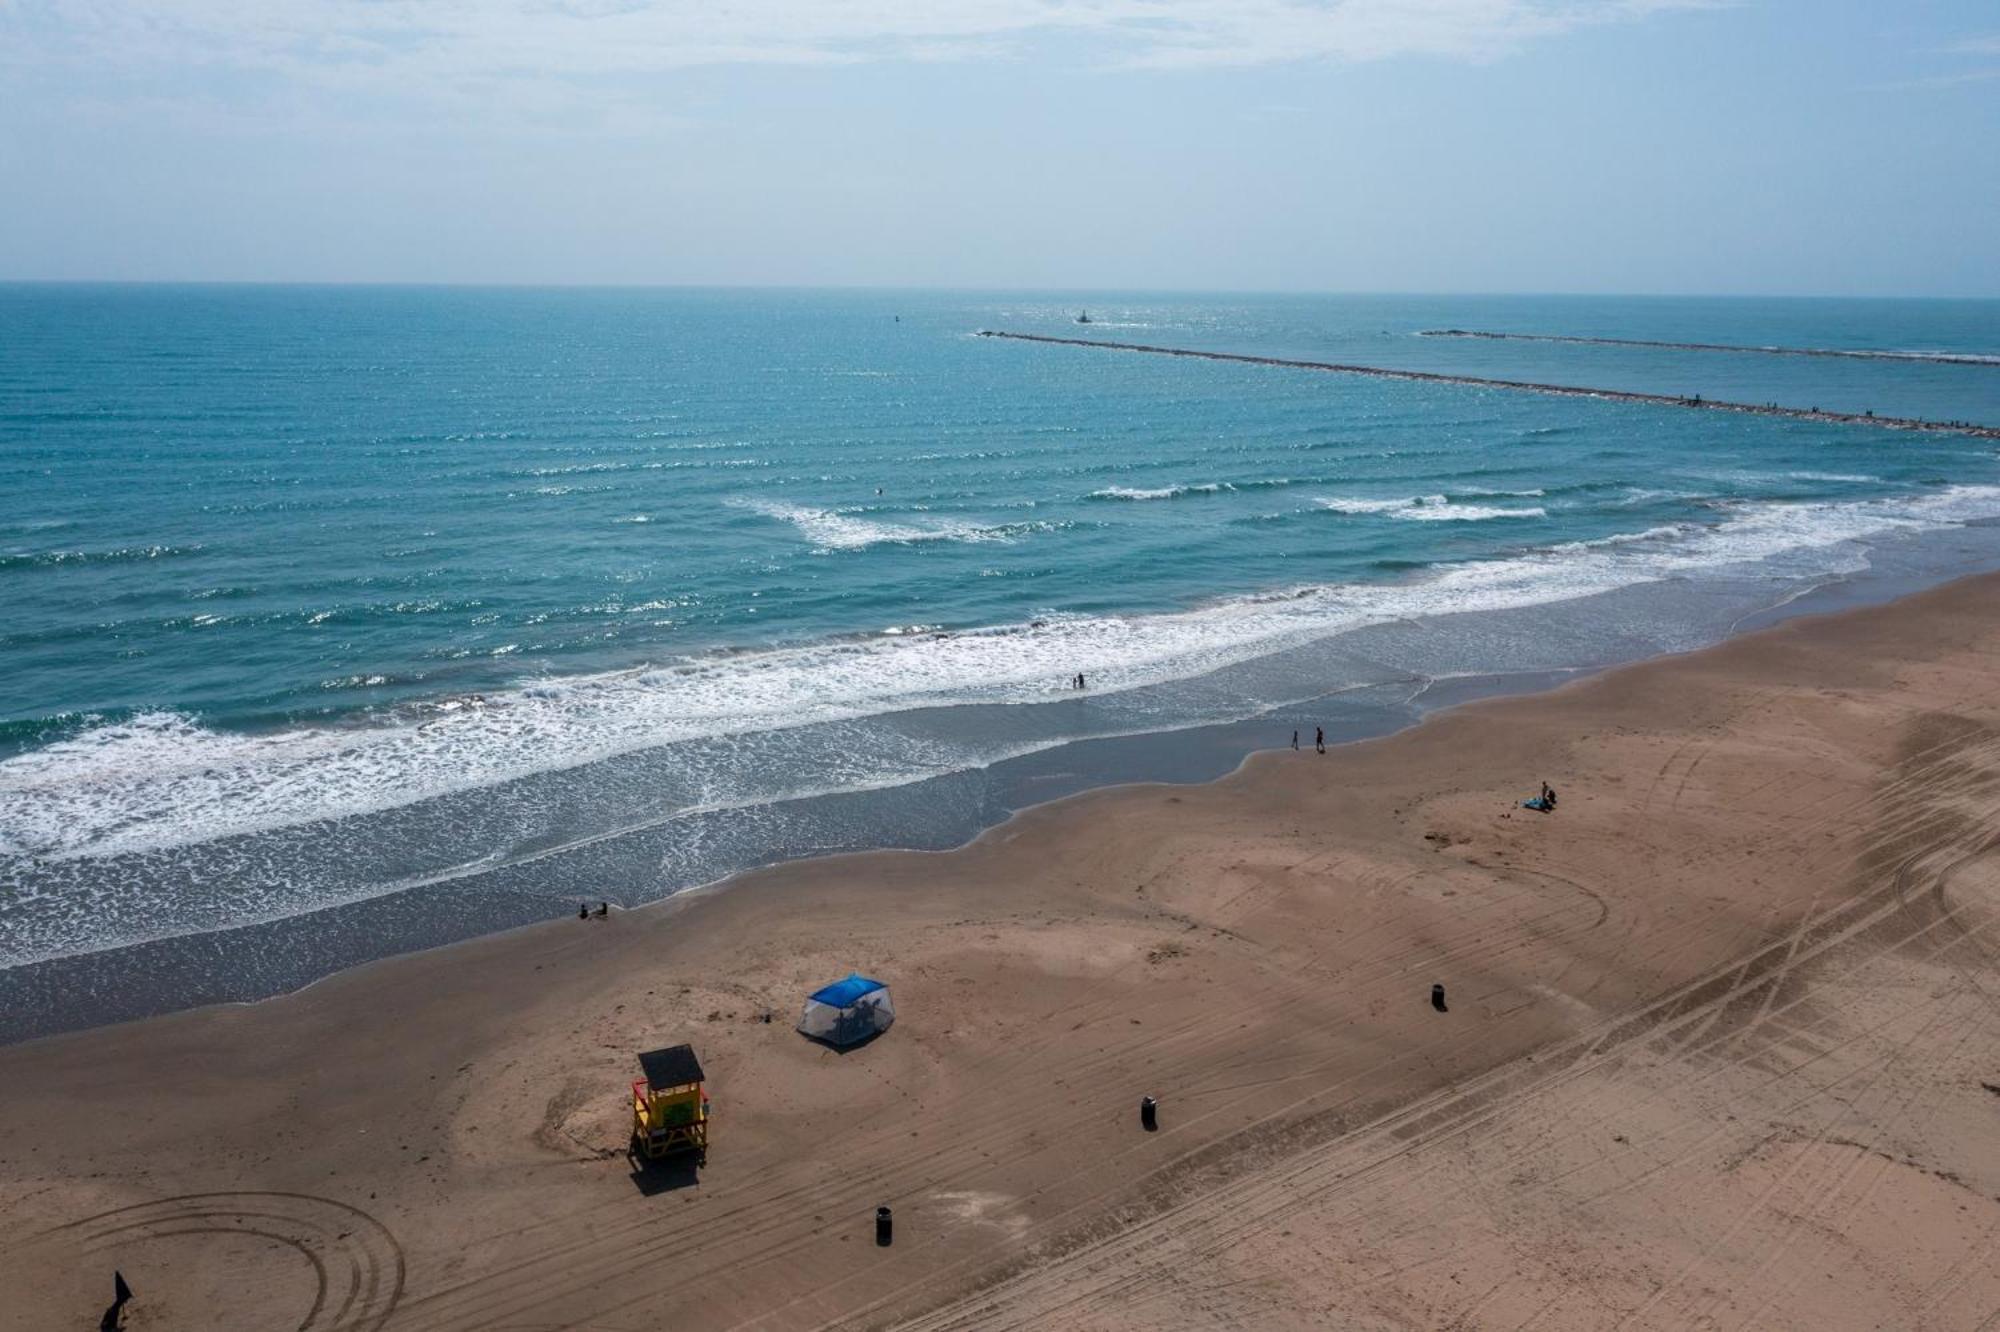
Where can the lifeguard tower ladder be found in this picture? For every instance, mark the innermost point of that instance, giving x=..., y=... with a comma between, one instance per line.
x=669, y=1107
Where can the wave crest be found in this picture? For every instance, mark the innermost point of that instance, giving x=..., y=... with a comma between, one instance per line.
x=121, y=555
x=1430, y=508
x=163, y=780
x=831, y=529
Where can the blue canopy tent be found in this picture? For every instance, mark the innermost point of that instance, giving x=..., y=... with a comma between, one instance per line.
x=848, y=1011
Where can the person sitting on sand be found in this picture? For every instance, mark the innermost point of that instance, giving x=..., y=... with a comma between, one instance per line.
x=583, y=911
x=603, y=910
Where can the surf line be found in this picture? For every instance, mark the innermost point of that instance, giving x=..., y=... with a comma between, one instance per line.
x=1524, y=386
x=1939, y=358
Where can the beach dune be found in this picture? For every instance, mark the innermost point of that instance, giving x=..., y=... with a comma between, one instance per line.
x=1722, y=1048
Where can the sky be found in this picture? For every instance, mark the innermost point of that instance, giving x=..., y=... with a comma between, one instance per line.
x=1813, y=147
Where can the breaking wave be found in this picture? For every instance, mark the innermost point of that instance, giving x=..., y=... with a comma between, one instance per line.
x=162, y=779
x=1187, y=489
x=1432, y=508
x=832, y=529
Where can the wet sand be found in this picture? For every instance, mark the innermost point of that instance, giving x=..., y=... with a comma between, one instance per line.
x=1722, y=1048
x=1971, y=428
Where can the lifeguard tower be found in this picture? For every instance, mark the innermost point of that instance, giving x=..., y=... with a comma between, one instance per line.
x=669, y=1107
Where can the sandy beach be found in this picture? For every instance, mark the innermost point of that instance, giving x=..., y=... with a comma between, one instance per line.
x=1722, y=1049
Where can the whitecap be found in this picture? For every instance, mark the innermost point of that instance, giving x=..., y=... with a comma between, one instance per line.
x=830, y=529
x=1464, y=513
x=1163, y=492
x=1341, y=504
x=162, y=780
x=1427, y=508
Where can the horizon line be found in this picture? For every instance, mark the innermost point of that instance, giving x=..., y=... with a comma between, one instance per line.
x=969, y=288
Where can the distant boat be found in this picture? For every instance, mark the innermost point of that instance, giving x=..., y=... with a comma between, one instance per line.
x=1083, y=316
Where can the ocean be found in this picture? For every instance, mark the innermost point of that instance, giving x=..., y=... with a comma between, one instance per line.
x=345, y=621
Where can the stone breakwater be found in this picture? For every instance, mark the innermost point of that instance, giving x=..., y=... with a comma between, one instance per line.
x=1697, y=402
x=1941, y=358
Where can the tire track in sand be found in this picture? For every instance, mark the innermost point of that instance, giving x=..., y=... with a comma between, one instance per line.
x=357, y=1263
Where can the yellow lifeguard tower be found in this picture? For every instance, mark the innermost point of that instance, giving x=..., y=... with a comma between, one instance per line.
x=669, y=1107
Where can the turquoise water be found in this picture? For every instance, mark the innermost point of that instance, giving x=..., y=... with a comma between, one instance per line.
x=321, y=596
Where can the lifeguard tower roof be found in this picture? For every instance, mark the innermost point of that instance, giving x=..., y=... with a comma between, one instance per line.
x=674, y=1066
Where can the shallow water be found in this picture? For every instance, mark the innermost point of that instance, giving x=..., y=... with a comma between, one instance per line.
x=468, y=603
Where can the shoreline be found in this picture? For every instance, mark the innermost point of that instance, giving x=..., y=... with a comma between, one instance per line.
x=1970, y=429
x=1722, y=913
x=251, y=964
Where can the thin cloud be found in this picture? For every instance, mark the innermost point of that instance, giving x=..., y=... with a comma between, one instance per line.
x=1978, y=46
x=522, y=39
x=1957, y=80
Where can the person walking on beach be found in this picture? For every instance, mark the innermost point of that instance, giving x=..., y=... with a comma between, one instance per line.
x=1319, y=739
x=1295, y=739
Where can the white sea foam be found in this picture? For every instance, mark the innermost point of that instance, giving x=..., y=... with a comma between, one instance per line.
x=1163, y=492
x=1428, y=508
x=1464, y=513
x=1190, y=488
x=1340, y=504
x=162, y=780
x=830, y=529
x=1664, y=532
x=1640, y=495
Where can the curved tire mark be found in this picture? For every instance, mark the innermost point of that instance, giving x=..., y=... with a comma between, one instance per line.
x=335, y=1237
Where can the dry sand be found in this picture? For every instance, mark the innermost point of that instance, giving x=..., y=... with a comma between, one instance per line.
x=1723, y=1050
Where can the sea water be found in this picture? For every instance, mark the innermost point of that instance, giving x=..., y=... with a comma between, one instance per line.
x=339, y=621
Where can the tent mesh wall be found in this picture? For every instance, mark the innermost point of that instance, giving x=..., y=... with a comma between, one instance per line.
x=844, y=1024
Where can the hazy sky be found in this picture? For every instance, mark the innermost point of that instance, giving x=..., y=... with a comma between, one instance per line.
x=1797, y=146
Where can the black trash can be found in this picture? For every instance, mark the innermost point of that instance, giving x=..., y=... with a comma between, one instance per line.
x=885, y=1227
